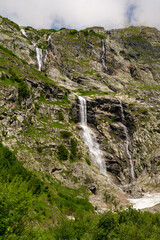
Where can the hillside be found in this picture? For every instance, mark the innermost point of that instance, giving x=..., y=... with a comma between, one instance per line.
x=42, y=73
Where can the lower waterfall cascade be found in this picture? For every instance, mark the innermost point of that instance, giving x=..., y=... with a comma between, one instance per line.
x=89, y=138
x=127, y=142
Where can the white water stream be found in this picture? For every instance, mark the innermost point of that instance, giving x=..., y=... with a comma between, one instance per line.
x=39, y=52
x=90, y=138
x=148, y=200
x=39, y=55
x=127, y=142
x=49, y=37
x=23, y=32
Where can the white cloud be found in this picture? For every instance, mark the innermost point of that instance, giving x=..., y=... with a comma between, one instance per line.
x=147, y=13
x=80, y=13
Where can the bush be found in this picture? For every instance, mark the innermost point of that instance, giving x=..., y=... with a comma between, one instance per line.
x=73, y=32
x=23, y=91
x=62, y=153
x=29, y=207
x=88, y=161
x=128, y=224
x=3, y=76
x=66, y=134
x=86, y=33
x=60, y=116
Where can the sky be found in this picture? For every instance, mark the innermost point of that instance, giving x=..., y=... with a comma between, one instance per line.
x=80, y=14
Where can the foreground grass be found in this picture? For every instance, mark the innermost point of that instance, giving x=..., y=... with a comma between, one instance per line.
x=33, y=209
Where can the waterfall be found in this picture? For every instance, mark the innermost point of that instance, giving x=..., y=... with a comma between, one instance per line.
x=39, y=53
x=23, y=32
x=39, y=56
x=103, y=56
x=127, y=142
x=89, y=138
x=49, y=37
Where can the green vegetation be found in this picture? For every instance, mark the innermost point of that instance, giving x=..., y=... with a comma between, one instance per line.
x=128, y=224
x=57, y=125
x=74, y=150
x=66, y=134
x=43, y=45
x=92, y=33
x=46, y=31
x=88, y=161
x=8, y=60
x=60, y=116
x=11, y=23
x=73, y=32
x=131, y=30
x=60, y=102
x=34, y=204
x=62, y=153
x=6, y=50
x=23, y=91
x=29, y=207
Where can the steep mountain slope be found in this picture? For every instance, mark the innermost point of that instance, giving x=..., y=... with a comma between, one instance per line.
x=117, y=72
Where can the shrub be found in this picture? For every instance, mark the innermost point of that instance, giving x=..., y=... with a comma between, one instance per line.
x=86, y=33
x=37, y=37
x=128, y=224
x=23, y=91
x=32, y=54
x=62, y=153
x=3, y=76
x=65, y=134
x=73, y=32
x=60, y=116
x=88, y=161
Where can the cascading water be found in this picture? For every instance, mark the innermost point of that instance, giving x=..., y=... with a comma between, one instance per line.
x=90, y=138
x=39, y=55
x=103, y=55
x=23, y=32
x=49, y=37
x=127, y=142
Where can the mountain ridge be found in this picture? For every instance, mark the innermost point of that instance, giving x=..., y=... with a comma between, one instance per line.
x=40, y=112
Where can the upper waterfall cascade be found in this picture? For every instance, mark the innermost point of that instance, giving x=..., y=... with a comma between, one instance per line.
x=39, y=52
x=127, y=143
x=90, y=138
x=23, y=32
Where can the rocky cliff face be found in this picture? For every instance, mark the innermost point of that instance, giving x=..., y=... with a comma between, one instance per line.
x=116, y=71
